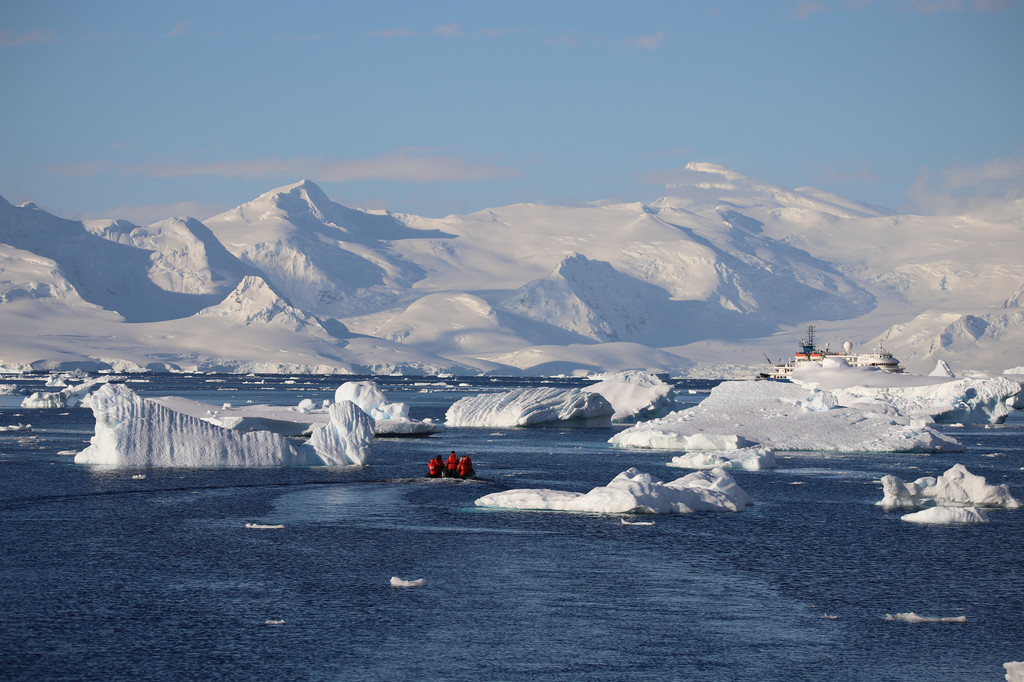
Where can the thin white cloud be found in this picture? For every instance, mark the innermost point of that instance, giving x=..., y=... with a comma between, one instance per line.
x=394, y=33
x=151, y=213
x=651, y=42
x=409, y=165
x=178, y=30
x=992, y=189
x=33, y=37
x=448, y=31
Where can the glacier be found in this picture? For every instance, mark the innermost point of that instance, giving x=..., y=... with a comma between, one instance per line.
x=633, y=492
x=132, y=431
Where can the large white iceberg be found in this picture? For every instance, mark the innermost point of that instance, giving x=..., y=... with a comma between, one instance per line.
x=746, y=459
x=633, y=393
x=978, y=399
x=782, y=416
x=633, y=492
x=390, y=419
x=531, y=407
x=957, y=487
x=133, y=431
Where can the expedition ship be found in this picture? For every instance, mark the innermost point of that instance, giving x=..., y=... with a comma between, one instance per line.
x=880, y=358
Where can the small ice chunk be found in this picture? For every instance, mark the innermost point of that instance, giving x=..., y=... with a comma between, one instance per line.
x=912, y=617
x=746, y=459
x=398, y=582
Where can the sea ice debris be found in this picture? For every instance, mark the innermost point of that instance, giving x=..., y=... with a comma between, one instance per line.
x=747, y=459
x=633, y=492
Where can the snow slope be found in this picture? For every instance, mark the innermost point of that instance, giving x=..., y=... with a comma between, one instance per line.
x=720, y=270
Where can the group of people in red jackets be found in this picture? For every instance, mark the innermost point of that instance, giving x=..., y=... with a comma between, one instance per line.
x=453, y=467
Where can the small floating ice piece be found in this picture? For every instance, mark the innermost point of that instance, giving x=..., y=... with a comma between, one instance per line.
x=273, y=621
x=912, y=617
x=265, y=526
x=398, y=582
x=138, y=477
x=637, y=523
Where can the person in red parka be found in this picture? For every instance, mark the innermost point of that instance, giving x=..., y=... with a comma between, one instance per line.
x=434, y=467
x=466, y=468
x=451, y=465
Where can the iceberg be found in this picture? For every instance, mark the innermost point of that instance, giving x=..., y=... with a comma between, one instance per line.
x=782, y=416
x=746, y=459
x=531, y=407
x=1014, y=671
x=633, y=492
x=390, y=419
x=947, y=516
x=633, y=393
x=957, y=487
x=133, y=431
x=978, y=399
x=69, y=396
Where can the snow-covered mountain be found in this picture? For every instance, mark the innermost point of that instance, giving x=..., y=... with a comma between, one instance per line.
x=718, y=272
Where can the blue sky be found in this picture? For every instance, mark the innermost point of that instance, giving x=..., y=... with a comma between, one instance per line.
x=146, y=110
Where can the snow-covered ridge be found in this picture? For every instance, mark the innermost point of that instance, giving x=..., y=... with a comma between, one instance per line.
x=294, y=281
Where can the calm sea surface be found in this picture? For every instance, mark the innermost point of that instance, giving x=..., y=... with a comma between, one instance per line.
x=105, y=576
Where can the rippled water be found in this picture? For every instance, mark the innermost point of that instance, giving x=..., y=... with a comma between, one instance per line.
x=105, y=576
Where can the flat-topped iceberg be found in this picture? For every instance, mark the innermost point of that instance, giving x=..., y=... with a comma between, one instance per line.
x=978, y=399
x=947, y=516
x=389, y=419
x=746, y=459
x=957, y=487
x=782, y=416
x=633, y=492
x=531, y=407
x=133, y=431
x=633, y=393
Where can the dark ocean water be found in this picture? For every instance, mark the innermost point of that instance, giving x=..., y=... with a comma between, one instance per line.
x=104, y=576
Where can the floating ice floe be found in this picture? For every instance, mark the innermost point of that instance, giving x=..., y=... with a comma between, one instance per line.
x=947, y=516
x=912, y=617
x=782, y=416
x=747, y=459
x=265, y=526
x=132, y=431
x=16, y=427
x=633, y=394
x=978, y=399
x=69, y=396
x=957, y=487
x=531, y=407
x=633, y=492
x=398, y=582
x=1014, y=671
